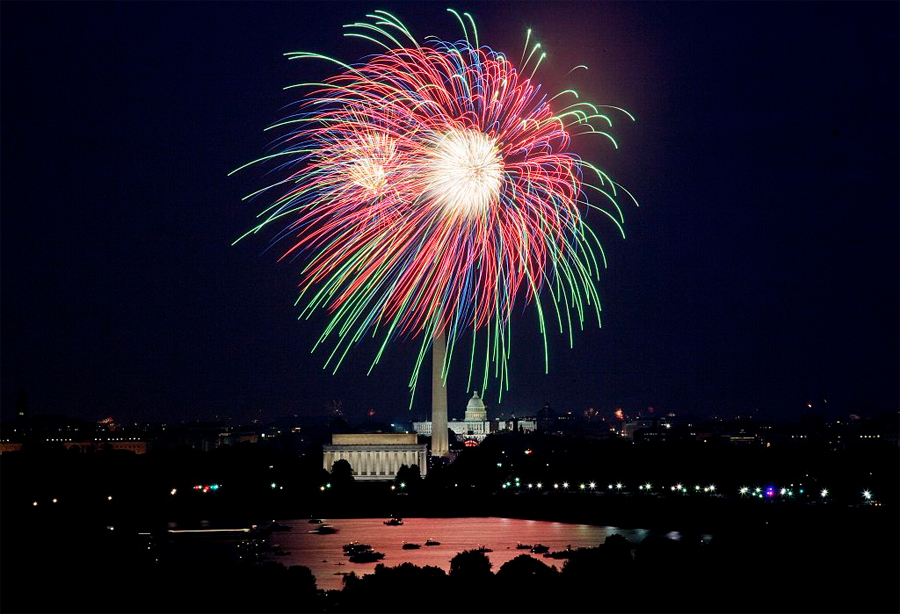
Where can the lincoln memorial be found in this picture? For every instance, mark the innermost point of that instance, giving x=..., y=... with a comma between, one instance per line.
x=376, y=456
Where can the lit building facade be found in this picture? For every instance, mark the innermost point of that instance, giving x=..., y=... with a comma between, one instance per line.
x=130, y=444
x=475, y=426
x=376, y=456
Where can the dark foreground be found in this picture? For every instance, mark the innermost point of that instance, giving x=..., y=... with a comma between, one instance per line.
x=96, y=547
x=764, y=559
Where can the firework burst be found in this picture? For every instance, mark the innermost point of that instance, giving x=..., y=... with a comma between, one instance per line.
x=431, y=190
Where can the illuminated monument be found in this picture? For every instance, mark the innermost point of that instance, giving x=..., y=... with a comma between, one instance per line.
x=474, y=428
x=375, y=456
x=440, y=442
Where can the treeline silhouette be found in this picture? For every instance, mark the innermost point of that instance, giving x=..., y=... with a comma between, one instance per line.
x=743, y=572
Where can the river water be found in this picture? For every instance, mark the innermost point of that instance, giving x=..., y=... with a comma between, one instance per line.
x=323, y=553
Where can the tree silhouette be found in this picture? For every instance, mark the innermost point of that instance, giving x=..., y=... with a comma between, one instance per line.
x=470, y=566
x=381, y=591
x=341, y=474
x=526, y=584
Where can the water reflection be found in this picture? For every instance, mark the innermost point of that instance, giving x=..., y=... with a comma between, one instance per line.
x=324, y=555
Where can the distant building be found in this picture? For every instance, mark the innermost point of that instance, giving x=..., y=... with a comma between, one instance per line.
x=629, y=427
x=131, y=444
x=204, y=436
x=518, y=425
x=547, y=418
x=376, y=456
x=475, y=427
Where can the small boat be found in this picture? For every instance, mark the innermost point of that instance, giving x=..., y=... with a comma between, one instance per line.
x=431, y=542
x=394, y=522
x=356, y=546
x=315, y=521
x=236, y=532
x=324, y=529
x=521, y=546
x=369, y=556
x=483, y=549
x=540, y=549
x=357, y=551
x=408, y=546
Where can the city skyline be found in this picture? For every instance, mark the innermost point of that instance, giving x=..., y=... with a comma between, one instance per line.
x=758, y=275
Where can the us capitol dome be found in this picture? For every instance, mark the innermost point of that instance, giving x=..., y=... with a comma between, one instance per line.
x=475, y=411
x=475, y=427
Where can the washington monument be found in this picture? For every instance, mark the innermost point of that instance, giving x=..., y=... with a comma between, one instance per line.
x=439, y=441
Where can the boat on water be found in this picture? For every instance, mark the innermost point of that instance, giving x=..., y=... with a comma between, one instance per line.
x=394, y=522
x=483, y=549
x=324, y=529
x=521, y=546
x=431, y=542
x=213, y=532
x=540, y=549
x=409, y=546
x=369, y=556
x=356, y=546
x=315, y=521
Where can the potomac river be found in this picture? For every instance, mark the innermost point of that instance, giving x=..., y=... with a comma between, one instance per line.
x=323, y=553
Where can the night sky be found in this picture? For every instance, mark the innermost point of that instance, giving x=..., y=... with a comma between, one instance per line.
x=759, y=274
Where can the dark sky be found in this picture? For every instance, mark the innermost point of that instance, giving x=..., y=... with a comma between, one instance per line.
x=759, y=274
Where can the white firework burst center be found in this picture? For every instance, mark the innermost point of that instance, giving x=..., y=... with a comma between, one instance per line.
x=465, y=172
x=368, y=174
